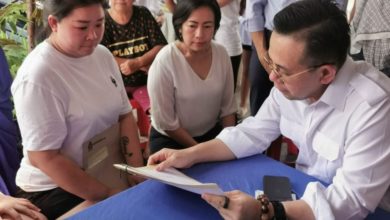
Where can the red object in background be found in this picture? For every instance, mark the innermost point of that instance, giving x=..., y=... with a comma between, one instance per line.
x=143, y=122
x=291, y=148
x=275, y=152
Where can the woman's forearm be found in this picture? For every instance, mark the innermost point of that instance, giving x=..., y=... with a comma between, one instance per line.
x=182, y=137
x=130, y=141
x=68, y=175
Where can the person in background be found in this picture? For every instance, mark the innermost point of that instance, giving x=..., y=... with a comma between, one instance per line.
x=258, y=21
x=336, y=111
x=370, y=33
x=154, y=6
x=67, y=90
x=134, y=38
x=228, y=33
x=171, y=4
x=191, y=81
x=245, y=59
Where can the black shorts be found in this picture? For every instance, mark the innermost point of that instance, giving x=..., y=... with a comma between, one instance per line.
x=53, y=203
x=247, y=47
x=158, y=141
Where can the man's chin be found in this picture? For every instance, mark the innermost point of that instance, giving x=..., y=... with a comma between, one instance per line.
x=288, y=95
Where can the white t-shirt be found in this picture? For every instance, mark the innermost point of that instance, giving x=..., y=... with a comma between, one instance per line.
x=228, y=33
x=61, y=102
x=343, y=139
x=179, y=98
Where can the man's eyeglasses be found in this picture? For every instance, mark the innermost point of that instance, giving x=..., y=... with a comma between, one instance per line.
x=282, y=75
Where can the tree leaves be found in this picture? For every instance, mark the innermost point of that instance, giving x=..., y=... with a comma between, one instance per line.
x=13, y=38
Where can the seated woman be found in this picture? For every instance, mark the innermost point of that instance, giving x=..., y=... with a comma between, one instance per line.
x=134, y=38
x=66, y=91
x=191, y=81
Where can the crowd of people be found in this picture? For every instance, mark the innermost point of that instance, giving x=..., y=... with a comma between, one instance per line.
x=296, y=66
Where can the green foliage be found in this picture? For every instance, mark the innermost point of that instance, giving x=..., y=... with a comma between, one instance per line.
x=13, y=43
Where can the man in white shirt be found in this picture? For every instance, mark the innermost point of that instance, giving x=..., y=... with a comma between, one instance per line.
x=336, y=111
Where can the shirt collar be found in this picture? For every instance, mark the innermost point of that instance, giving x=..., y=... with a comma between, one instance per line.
x=336, y=93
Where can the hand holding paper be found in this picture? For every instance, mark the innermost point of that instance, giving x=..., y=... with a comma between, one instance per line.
x=172, y=177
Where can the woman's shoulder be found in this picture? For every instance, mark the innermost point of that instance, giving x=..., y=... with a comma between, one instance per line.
x=217, y=46
x=219, y=49
x=167, y=52
x=101, y=50
x=165, y=59
x=103, y=55
x=41, y=57
x=38, y=67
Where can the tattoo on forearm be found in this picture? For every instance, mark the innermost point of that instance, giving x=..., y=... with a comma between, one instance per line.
x=124, y=142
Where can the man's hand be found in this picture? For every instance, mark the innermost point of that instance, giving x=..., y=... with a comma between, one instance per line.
x=171, y=158
x=240, y=205
x=261, y=53
x=258, y=41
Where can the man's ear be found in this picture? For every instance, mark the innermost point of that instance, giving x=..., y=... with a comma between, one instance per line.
x=53, y=23
x=328, y=73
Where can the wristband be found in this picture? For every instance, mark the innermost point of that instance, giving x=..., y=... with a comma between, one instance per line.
x=279, y=212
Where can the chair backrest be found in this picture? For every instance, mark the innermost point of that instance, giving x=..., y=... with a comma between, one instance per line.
x=9, y=132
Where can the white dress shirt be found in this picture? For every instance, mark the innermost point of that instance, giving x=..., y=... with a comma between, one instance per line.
x=343, y=139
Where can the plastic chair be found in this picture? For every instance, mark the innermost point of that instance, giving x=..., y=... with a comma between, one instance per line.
x=143, y=122
x=284, y=150
x=292, y=152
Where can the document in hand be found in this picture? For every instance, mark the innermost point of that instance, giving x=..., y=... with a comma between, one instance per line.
x=172, y=177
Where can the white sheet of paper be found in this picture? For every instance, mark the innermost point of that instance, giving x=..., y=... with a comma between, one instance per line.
x=172, y=177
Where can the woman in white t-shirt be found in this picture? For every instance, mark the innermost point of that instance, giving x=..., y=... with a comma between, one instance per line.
x=67, y=90
x=190, y=81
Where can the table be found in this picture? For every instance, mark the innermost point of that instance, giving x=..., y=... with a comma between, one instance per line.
x=154, y=200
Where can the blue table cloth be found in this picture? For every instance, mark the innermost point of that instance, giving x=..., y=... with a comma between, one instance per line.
x=154, y=200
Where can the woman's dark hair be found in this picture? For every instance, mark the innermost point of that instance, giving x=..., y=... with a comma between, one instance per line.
x=62, y=8
x=184, y=8
x=321, y=25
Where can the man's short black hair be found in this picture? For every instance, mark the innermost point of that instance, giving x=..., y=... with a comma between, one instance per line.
x=321, y=25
